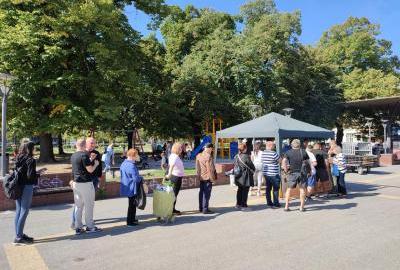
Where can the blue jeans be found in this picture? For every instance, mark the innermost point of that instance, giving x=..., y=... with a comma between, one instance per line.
x=95, y=181
x=22, y=210
x=341, y=185
x=272, y=183
x=204, y=195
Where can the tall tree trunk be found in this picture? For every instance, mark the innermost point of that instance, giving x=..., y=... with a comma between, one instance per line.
x=60, y=145
x=129, y=135
x=46, y=148
x=339, y=133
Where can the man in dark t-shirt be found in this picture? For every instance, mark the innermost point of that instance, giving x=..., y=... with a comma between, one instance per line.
x=82, y=166
x=292, y=165
x=79, y=161
x=94, y=155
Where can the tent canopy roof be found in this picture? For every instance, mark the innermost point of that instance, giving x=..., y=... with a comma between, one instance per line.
x=274, y=125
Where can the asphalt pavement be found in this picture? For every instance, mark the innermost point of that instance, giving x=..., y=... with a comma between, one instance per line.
x=360, y=231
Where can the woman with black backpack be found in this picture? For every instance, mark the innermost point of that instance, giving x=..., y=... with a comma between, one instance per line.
x=29, y=177
x=244, y=170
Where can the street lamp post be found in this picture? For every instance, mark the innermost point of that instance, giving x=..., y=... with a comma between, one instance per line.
x=5, y=81
x=384, y=124
x=369, y=125
x=288, y=112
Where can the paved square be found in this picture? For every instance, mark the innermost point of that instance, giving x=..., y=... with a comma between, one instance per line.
x=359, y=232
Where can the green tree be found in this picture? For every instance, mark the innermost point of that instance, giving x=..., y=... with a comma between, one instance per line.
x=371, y=83
x=199, y=57
x=253, y=11
x=276, y=71
x=73, y=60
x=364, y=63
x=355, y=44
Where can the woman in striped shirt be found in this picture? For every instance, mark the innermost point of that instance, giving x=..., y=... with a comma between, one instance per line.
x=270, y=160
x=340, y=162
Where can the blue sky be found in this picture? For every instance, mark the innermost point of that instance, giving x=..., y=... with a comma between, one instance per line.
x=317, y=15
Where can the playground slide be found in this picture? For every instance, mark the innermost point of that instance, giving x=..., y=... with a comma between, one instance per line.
x=206, y=139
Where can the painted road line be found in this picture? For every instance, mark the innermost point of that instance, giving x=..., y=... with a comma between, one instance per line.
x=24, y=257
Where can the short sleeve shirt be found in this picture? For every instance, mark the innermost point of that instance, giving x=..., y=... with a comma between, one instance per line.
x=295, y=158
x=270, y=160
x=320, y=156
x=176, y=161
x=312, y=159
x=79, y=161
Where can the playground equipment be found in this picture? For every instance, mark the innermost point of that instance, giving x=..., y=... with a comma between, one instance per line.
x=224, y=150
x=204, y=140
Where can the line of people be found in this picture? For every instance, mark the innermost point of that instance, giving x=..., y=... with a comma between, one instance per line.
x=301, y=167
x=87, y=170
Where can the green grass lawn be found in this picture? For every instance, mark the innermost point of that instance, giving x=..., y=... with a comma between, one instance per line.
x=160, y=173
x=152, y=173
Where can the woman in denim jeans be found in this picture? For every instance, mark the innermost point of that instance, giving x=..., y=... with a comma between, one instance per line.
x=25, y=161
x=339, y=161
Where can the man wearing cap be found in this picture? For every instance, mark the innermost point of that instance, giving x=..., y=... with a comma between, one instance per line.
x=207, y=175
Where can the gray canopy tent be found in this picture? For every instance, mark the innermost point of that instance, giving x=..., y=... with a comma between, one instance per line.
x=273, y=125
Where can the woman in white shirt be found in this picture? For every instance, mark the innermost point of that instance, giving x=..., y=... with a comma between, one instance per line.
x=176, y=170
x=258, y=173
x=311, y=181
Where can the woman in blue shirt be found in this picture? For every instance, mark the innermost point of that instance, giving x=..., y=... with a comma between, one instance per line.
x=130, y=180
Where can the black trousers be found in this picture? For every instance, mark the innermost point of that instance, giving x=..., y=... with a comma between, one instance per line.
x=177, y=181
x=241, y=196
x=131, y=211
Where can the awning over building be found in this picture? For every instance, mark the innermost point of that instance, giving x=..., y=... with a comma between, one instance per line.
x=375, y=103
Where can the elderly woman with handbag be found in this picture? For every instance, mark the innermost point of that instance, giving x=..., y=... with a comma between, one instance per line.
x=130, y=180
x=244, y=171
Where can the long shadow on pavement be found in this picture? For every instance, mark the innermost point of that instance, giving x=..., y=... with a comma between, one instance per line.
x=145, y=221
x=355, y=190
x=148, y=220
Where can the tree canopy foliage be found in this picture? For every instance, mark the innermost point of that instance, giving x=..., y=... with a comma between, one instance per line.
x=80, y=65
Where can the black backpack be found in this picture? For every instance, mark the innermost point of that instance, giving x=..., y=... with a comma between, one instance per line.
x=11, y=184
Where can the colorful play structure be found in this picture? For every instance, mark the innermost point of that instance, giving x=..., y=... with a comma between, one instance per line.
x=227, y=147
